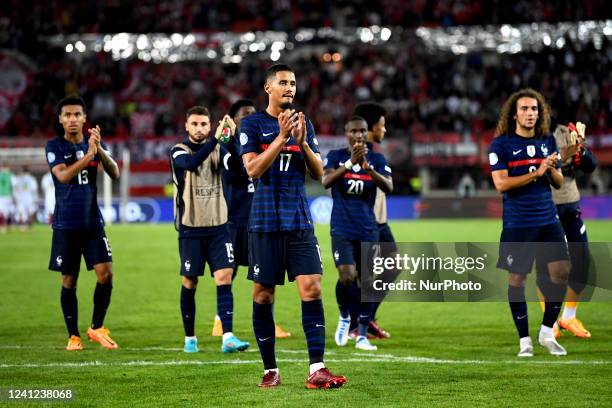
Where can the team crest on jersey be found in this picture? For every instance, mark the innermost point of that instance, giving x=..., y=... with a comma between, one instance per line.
x=80, y=154
x=493, y=159
x=187, y=265
x=50, y=157
x=544, y=149
x=243, y=139
x=510, y=260
x=531, y=150
x=59, y=261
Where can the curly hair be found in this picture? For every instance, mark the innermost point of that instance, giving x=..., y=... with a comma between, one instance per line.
x=507, y=122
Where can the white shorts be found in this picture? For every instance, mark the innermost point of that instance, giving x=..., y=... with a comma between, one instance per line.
x=6, y=207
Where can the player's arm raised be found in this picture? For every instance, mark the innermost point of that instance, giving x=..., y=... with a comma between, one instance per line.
x=231, y=155
x=110, y=166
x=554, y=174
x=314, y=165
x=257, y=164
x=65, y=173
x=191, y=161
x=330, y=176
x=385, y=183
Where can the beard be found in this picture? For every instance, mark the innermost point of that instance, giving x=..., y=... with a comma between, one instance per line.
x=285, y=105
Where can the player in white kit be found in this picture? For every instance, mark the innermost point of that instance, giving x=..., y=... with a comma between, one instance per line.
x=48, y=189
x=25, y=196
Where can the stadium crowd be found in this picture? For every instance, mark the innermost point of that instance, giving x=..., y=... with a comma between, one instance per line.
x=21, y=19
x=450, y=92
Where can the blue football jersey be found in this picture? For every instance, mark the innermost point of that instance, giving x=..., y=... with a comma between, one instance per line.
x=279, y=201
x=240, y=187
x=530, y=205
x=354, y=195
x=76, y=204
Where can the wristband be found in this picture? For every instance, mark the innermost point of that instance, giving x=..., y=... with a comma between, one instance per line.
x=348, y=164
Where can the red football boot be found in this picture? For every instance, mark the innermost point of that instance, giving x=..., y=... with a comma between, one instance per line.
x=323, y=378
x=270, y=379
x=377, y=331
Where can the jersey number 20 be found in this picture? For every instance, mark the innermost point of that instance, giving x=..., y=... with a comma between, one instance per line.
x=355, y=187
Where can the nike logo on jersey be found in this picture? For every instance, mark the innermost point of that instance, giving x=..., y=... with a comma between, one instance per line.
x=67, y=156
x=267, y=134
x=516, y=152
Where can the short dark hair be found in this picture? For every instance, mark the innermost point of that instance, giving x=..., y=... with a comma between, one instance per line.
x=355, y=118
x=71, y=100
x=233, y=110
x=270, y=72
x=197, y=110
x=370, y=111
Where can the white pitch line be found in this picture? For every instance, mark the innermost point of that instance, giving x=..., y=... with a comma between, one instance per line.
x=404, y=360
x=152, y=348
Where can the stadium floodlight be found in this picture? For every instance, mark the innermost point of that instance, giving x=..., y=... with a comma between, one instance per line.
x=385, y=34
x=505, y=38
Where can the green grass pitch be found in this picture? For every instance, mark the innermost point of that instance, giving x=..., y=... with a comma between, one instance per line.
x=441, y=354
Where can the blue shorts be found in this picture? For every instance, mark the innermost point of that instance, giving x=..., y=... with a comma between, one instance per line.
x=240, y=240
x=67, y=246
x=349, y=252
x=216, y=250
x=580, y=256
x=346, y=251
x=385, y=235
x=519, y=247
x=273, y=253
x=571, y=220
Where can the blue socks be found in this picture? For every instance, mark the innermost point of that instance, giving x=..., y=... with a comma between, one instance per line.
x=313, y=322
x=518, y=307
x=225, y=307
x=263, y=326
x=188, y=309
x=343, y=297
x=70, y=308
x=102, y=297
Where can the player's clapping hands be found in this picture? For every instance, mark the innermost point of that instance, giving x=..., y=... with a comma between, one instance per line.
x=96, y=135
x=94, y=141
x=359, y=152
x=547, y=164
x=287, y=120
x=299, y=130
x=225, y=121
